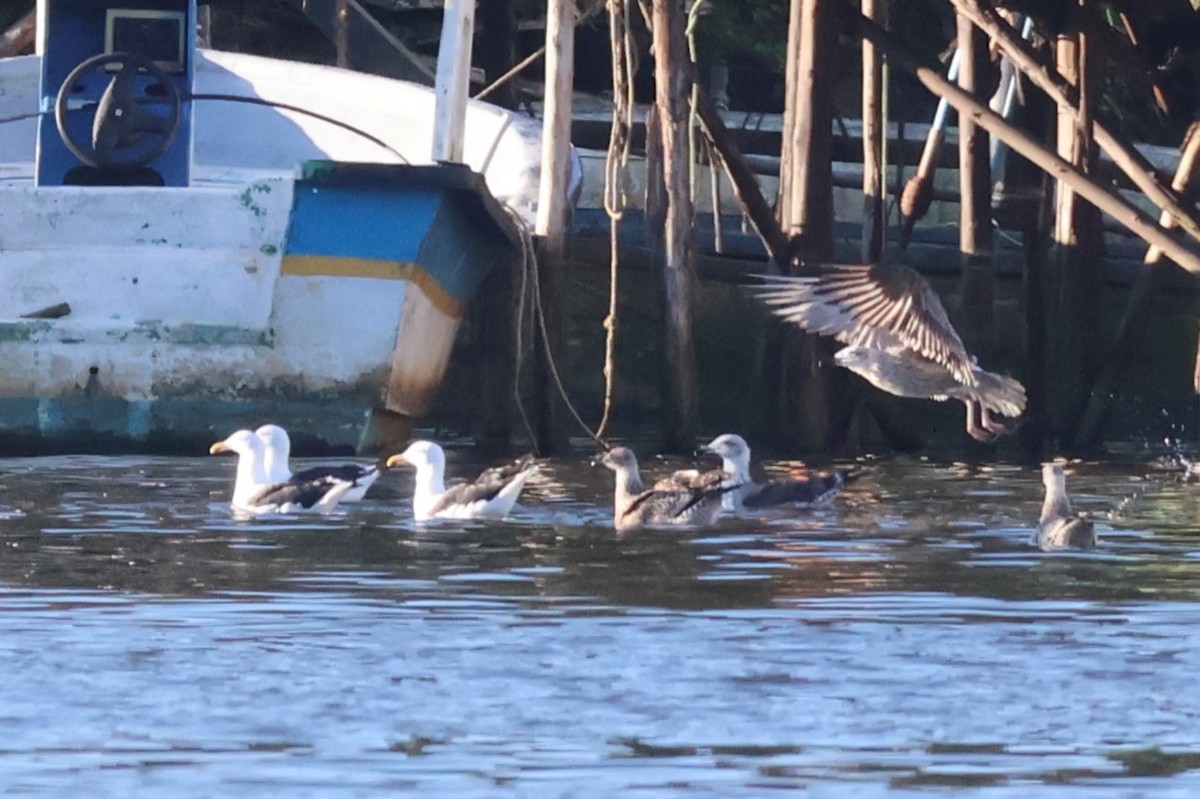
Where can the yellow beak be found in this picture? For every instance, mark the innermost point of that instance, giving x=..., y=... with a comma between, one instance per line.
x=395, y=460
x=218, y=448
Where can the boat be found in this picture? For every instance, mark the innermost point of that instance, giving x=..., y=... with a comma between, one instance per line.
x=193, y=241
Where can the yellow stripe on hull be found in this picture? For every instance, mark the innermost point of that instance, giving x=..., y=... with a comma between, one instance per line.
x=335, y=266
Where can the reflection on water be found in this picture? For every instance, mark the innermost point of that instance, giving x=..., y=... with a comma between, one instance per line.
x=905, y=639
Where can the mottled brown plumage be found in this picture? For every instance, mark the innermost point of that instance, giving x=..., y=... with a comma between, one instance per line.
x=686, y=498
x=1059, y=527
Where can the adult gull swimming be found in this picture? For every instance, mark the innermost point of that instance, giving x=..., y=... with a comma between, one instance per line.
x=277, y=450
x=492, y=495
x=748, y=495
x=254, y=493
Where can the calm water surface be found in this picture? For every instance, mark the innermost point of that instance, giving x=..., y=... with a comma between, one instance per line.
x=903, y=641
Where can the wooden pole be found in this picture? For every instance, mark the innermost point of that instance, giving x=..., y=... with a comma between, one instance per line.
x=1078, y=286
x=786, y=155
x=453, y=79
x=341, y=38
x=810, y=197
x=804, y=405
x=554, y=212
x=741, y=177
x=975, y=196
x=1135, y=166
x=672, y=88
x=1108, y=201
x=873, y=132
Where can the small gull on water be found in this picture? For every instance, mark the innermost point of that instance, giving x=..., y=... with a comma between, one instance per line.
x=1059, y=527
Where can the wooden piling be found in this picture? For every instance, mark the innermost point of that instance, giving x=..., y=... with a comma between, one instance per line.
x=804, y=405
x=977, y=288
x=1078, y=248
x=553, y=217
x=672, y=89
x=874, y=132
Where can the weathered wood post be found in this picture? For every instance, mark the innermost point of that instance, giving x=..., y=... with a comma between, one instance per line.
x=554, y=215
x=874, y=132
x=341, y=37
x=975, y=196
x=806, y=213
x=453, y=80
x=672, y=89
x=1078, y=247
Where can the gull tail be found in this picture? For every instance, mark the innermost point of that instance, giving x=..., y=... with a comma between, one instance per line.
x=1000, y=393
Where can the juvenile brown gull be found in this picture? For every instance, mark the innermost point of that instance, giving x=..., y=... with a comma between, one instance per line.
x=687, y=497
x=277, y=449
x=747, y=495
x=1059, y=528
x=254, y=493
x=899, y=336
x=492, y=495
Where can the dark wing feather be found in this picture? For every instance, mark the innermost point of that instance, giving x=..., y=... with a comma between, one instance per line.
x=350, y=472
x=304, y=493
x=881, y=306
x=674, y=497
x=505, y=472
x=693, y=480
x=489, y=484
x=785, y=492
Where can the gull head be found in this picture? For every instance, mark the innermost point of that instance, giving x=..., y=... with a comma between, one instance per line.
x=1053, y=477
x=418, y=454
x=276, y=437
x=242, y=442
x=619, y=459
x=856, y=359
x=732, y=448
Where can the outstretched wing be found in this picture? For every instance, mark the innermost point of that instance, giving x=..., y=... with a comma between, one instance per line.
x=881, y=306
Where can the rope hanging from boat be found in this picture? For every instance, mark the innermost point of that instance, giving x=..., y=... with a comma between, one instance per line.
x=529, y=266
x=616, y=175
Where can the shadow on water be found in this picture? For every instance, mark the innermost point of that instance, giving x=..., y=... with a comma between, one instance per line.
x=905, y=637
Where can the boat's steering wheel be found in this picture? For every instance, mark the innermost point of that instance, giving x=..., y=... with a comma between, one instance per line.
x=121, y=121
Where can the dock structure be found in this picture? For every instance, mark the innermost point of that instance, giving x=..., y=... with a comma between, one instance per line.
x=802, y=179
